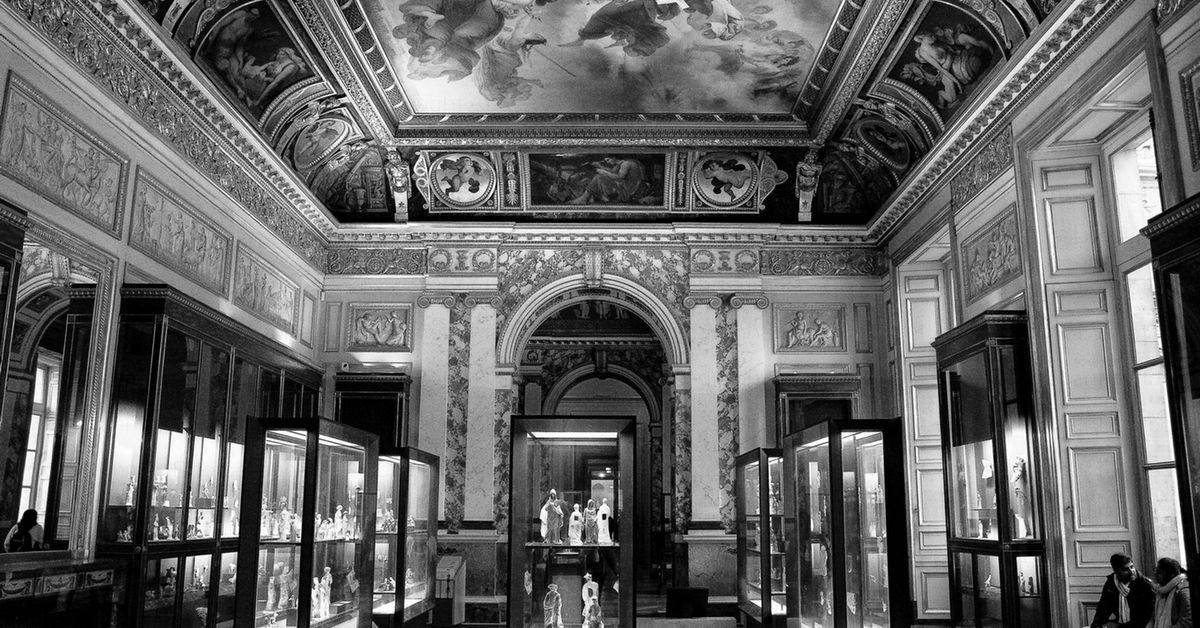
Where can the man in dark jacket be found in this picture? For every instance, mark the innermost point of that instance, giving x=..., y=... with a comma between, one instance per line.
x=1127, y=600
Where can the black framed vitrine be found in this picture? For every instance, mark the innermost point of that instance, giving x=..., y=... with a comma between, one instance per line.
x=762, y=566
x=309, y=524
x=406, y=527
x=377, y=402
x=186, y=378
x=1175, y=246
x=847, y=551
x=804, y=399
x=571, y=547
x=990, y=454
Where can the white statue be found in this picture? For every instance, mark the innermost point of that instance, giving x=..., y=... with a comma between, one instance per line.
x=603, y=517
x=575, y=528
x=590, y=594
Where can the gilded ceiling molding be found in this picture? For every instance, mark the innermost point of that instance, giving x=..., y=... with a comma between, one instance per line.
x=995, y=157
x=861, y=66
x=105, y=43
x=823, y=262
x=831, y=49
x=1072, y=30
x=376, y=261
x=357, y=84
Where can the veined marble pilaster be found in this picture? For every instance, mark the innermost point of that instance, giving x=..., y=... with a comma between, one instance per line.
x=481, y=400
x=502, y=438
x=683, y=457
x=728, y=421
x=458, y=377
x=435, y=344
x=705, y=489
x=752, y=369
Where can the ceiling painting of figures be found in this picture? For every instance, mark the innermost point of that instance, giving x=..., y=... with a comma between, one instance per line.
x=598, y=56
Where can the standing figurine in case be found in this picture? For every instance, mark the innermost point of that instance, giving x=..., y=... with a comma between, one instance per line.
x=552, y=607
x=589, y=523
x=603, y=519
x=552, y=519
x=575, y=528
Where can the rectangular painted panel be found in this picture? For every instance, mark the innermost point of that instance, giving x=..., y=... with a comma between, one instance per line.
x=922, y=283
x=924, y=323
x=1097, y=553
x=333, y=326
x=1097, y=489
x=926, y=419
x=1057, y=178
x=1086, y=369
x=1074, y=240
x=862, y=327
x=1081, y=302
x=931, y=497
x=1092, y=424
x=922, y=370
x=934, y=595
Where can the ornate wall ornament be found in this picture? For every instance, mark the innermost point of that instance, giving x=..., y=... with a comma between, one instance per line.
x=375, y=261
x=106, y=45
x=823, y=262
x=1074, y=30
x=991, y=257
x=994, y=158
x=491, y=297
x=1190, y=86
x=810, y=328
x=523, y=272
x=742, y=299
x=461, y=260
x=399, y=177
x=511, y=198
x=664, y=271
x=1165, y=8
x=725, y=180
x=177, y=235
x=740, y=261
x=379, y=327
x=264, y=291
x=56, y=155
x=694, y=299
x=456, y=181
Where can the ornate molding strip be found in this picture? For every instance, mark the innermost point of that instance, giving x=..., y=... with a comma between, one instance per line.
x=700, y=134
x=1073, y=30
x=462, y=260
x=1184, y=212
x=375, y=261
x=739, y=261
x=823, y=262
x=107, y=45
x=995, y=157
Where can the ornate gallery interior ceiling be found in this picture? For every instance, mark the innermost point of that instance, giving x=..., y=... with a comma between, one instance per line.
x=774, y=111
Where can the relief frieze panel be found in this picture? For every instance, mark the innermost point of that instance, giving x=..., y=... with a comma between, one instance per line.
x=993, y=159
x=375, y=261
x=173, y=233
x=822, y=262
x=453, y=260
x=264, y=291
x=739, y=261
x=991, y=257
x=379, y=327
x=48, y=150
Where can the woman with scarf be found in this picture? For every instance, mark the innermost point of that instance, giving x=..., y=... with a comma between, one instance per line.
x=1172, y=601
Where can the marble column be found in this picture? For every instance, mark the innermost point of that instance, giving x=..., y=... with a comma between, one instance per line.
x=728, y=421
x=481, y=401
x=753, y=371
x=435, y=345
x=506, y=396
x=702, y=464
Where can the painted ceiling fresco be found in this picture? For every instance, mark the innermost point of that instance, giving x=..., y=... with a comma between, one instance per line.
x=539, y=72
x=583, y=56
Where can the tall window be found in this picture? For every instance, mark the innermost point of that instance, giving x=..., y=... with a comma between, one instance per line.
x=1135, y=191
x=39, y=448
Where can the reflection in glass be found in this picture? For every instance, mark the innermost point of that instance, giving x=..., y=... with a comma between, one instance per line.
x=196, y=594
x=865, y=529
x=130, y=391
x=813, y=527
x=160, y=591
x=226, y=590
x=1018, y=447
x=971, y=451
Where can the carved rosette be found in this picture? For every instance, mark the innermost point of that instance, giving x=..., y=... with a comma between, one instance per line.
x=448, y=261
x=738, y=261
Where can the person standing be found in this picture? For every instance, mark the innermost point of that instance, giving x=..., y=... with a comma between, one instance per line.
x=1173, y=600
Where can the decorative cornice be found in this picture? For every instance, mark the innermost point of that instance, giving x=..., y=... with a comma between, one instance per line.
x=823, y=262
x=375, y=261
x=427, y=299
x=1057, y=45
x=712, y=300
x=138, y=69
x=13, y=217
x=740, y=299
x=1184, y=212
x=697, y=133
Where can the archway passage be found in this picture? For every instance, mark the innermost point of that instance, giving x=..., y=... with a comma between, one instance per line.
x=595, y=355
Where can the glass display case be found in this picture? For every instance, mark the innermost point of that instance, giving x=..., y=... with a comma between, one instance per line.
x=405, y=536
x=571, y=552
x=309, y=510
x=762, y=568
x=849, y=554
x=185, y=379
x=1175, y=244
x=993, y=510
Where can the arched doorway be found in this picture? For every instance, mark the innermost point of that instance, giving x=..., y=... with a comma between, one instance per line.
x=595, y=354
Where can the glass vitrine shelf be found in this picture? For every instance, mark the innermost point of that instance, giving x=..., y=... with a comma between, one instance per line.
x=405, y=536
x=762, y=564
x=313, y=524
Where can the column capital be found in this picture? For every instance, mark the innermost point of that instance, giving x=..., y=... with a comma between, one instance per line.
x=696, y=298
x=759, y=300
x=429, y=298
x=488, y=297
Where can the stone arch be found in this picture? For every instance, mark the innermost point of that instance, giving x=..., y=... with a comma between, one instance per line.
x=620, y=373
x=536, y=308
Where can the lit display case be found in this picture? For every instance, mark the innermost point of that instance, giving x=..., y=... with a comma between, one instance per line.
x=993, y=510
x=849, y=549
x=1175, y=244
x=309, y=510
x=571, y=551
x=762, y=564
x=185, y=380
x=405, y=536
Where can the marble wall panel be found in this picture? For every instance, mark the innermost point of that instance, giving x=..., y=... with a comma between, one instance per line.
x=727, y=410
x=457, y=382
